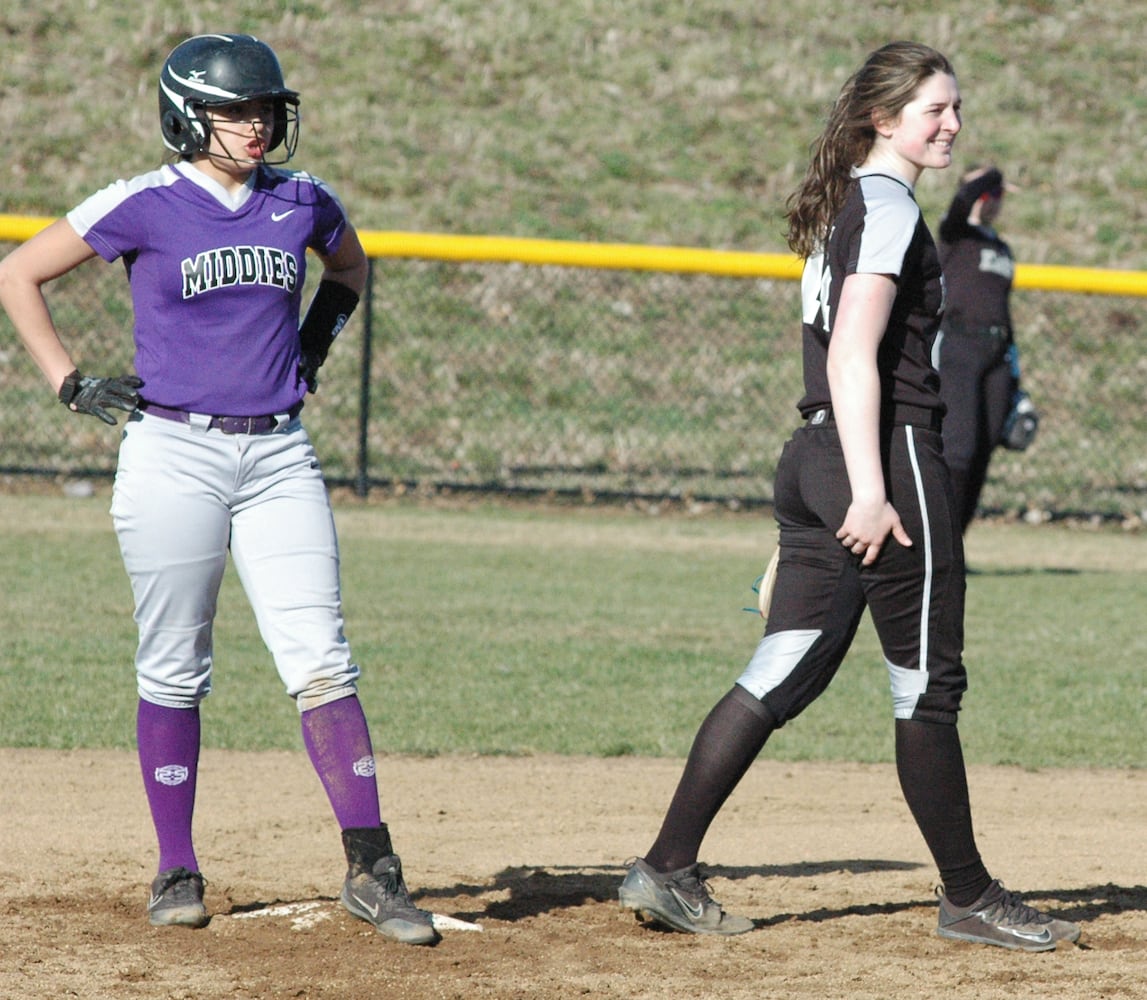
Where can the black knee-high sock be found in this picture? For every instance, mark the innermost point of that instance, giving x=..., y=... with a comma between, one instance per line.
x=930, y=764
x=726, y=744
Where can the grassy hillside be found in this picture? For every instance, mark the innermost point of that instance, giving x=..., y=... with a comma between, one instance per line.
x=663, y=121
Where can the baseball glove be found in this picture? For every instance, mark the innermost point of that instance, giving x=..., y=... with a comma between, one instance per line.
x=763, y=585
x=1022, y=423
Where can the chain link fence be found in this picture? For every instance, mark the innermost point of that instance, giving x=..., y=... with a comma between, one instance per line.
x=604, y=383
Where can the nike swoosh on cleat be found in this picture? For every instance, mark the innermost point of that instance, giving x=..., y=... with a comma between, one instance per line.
x=372, y=910
x=280, y=216
x=693, y=911
x=1042, y=937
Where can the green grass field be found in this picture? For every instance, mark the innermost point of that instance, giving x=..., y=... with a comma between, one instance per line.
x=515, y=630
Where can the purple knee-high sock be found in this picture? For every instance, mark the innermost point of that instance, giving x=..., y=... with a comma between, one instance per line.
x=168, y=740
x=338, y=741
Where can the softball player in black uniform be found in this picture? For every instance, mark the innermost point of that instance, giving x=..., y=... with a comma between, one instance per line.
x=864, y=505
x=975, y=351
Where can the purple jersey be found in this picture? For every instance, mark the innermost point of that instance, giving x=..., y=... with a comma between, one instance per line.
x=216, y=282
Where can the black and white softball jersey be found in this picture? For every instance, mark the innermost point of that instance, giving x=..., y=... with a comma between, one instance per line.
x=914, y=594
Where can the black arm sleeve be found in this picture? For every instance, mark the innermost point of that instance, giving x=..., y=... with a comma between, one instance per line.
x=327, y=314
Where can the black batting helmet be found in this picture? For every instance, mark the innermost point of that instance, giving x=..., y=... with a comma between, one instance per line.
x=214, y=70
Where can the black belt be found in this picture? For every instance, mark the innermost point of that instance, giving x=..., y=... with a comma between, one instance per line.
x=1003, y=333
x=916, y=416
x=228, y=425
x=994, y=332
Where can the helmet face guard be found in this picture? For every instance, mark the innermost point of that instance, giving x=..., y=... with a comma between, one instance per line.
x=212, y=71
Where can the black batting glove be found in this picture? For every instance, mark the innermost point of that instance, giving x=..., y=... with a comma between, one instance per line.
x=84, y=394
x=309, y=365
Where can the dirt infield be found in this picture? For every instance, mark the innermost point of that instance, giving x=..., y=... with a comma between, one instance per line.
x=823, y=857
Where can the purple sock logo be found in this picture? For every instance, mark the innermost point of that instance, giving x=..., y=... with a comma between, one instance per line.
x=171, y=774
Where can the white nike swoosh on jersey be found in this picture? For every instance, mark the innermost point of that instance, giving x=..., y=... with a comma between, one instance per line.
x=280, y=216
x=372, y=910
x=693, y=911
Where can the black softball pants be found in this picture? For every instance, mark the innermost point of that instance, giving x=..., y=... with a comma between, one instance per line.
x=977, y=385
x=914, y=594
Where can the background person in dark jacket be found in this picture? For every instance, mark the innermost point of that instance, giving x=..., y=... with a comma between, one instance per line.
x=975, y=351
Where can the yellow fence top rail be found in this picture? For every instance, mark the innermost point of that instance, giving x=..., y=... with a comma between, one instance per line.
x=562, y=253
x=640, y=257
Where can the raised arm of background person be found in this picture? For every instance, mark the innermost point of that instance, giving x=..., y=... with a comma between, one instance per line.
x=955, y=225
x=854, y=384
x=23, y=273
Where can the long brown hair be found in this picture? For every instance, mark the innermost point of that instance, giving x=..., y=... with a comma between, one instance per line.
x=888, y=80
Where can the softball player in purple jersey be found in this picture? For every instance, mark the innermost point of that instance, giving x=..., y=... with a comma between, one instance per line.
x=214, y=458
x=864, y=505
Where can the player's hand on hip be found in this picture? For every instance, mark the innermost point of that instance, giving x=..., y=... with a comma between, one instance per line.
x=309, y=365
x=866, y=529
x=85, y=394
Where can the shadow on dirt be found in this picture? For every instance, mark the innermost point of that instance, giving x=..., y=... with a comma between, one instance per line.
x=1082, y=905
x=529, y=891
